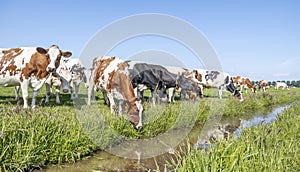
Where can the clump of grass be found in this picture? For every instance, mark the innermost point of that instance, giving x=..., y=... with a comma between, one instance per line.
x=272, y=147
x=34, y=138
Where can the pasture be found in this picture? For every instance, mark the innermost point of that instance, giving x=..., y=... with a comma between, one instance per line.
x=52, y=134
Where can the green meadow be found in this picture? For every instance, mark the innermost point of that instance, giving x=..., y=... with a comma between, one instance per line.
x=70, y=131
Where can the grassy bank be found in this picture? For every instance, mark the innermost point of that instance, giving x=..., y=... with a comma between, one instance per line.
x=52, y=134
x=273, y=147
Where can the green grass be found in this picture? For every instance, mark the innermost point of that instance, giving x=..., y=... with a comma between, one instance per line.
x=54, y=134
x=273, y=147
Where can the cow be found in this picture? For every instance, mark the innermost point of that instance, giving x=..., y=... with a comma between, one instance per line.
x=158, y=79
x=281, y=84
x=71, y=73
x=244, y=83
x=28, y=67
x=217, y=79
x=263, y=84
x=191, y=80
x=111, y=76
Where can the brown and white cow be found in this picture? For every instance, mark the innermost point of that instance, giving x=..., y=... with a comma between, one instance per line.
x=111, y=76
x=244, y=83
x=28, y=67
x=263, y=84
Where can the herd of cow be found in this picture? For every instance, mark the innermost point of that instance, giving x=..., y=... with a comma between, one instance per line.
x=121, y=82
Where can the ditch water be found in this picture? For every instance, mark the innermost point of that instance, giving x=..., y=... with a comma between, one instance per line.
x=103, y=161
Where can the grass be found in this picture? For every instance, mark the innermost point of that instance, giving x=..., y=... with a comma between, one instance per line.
x=54, y=134
x=272, y=147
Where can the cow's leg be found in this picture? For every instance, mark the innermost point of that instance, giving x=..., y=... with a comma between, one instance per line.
x=171, y=94
x=220, y=91
x=17, y=90
x=48, y=93
x=57, y=91
x=154, y=95
x=76, y=90
x=141, y=94
x=120, y=107
x=136, y=91
x=201, y=95
x=34, y=94
x=91, y=93
x=106, y=99
x=140, y=108
x=111, y=102
x=24, y=87
x=72, y=93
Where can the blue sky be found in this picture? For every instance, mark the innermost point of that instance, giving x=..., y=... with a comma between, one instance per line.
x=258, y=39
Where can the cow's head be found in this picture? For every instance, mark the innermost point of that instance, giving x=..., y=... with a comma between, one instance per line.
x=161, y=91
x=231, y=88
x=197, y=76
x=135, y=110
x=54, y=55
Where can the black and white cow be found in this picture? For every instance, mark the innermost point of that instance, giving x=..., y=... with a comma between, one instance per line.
x=157, y=78
x=191, y=83
x=71, y=72
x=216, y=79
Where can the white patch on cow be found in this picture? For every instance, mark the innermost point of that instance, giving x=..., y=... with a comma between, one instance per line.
x=53, y=54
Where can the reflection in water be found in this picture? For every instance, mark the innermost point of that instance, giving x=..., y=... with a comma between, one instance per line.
x=220, y=132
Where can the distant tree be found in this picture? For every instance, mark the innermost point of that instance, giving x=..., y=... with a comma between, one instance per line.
x=273, y=83
x=283, y=81
x=269, y=83
x=294, y=83
x=288, y=83
x=298, y=84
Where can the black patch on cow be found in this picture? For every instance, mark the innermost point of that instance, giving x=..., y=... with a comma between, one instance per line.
x=211, y=75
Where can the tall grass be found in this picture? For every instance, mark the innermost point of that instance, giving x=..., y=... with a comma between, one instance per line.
x=273, y=147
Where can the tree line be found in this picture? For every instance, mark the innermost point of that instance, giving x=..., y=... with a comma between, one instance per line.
x=289, y=83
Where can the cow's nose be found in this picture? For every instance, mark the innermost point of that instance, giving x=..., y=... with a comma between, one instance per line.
x=65, y=90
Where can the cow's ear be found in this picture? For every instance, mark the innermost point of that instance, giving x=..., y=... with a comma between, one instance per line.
x=41, y=50
x=196, y=72
x=66, y=54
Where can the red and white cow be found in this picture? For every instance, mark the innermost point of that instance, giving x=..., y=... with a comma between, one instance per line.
x=111, y=76
x=28, y=67
x=244, y=83
x=216, y=79
x=263, y=84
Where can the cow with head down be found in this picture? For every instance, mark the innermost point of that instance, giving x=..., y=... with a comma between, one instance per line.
x=28, y=67
x=158, y=79
x=244, y=83
x=216, y=79
x=111, y=76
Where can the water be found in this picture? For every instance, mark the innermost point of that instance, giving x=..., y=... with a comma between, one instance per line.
x=103, y=161
x=260, y=119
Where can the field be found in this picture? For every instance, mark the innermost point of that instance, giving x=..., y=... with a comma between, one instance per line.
x=70, y=131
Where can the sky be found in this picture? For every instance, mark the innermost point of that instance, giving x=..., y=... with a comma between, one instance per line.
x=257, y=39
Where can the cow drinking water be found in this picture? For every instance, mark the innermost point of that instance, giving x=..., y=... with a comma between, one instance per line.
x=111, y=76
